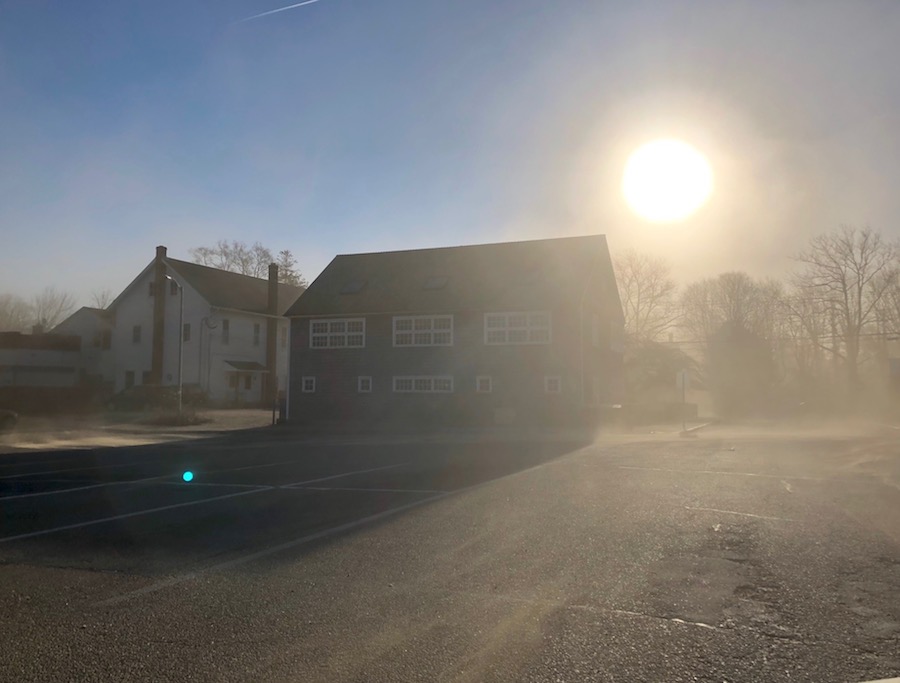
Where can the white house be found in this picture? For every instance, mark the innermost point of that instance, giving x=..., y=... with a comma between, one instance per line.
x=94, y=327
x=233, y=339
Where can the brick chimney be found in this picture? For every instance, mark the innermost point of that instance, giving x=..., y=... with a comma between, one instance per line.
x=159, y=316
x=271, y=385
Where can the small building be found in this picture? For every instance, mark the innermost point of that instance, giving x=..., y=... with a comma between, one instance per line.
x=512, y=333
x=41, y=372
x=232, y=341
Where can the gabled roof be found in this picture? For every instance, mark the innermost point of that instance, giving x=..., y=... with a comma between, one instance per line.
x=100, y=313
x=224, y=289
x=506, y=276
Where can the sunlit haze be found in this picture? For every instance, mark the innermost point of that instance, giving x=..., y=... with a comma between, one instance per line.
x=344, y=126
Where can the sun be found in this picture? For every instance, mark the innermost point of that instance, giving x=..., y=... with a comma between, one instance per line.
x=666, y=181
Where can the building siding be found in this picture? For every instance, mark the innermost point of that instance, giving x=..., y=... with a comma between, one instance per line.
x=517, y=372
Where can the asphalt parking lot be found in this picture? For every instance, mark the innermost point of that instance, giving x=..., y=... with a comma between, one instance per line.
x=737, y=555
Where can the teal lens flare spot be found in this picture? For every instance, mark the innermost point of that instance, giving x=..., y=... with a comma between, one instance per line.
x=187, y=476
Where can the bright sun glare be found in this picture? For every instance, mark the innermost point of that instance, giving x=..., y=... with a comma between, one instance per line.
x=666, y=181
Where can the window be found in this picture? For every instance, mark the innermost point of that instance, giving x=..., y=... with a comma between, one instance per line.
x=226, y=331
x=255, y=334
x=129, y=379
x=173, y=287
x=284, y=337
x=136, y=334
x=232, y=380
x=532, y=327
x=423, y=330
x=145, y=377
x=308, y=385
x=338, y=333
x=364, y=385
x=248, y=382
x=442, y=384
x=483, y=384
x=553, y=384
x=186, y=332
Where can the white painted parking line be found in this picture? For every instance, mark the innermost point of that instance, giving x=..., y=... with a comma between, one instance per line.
x=243, y=559
x=737, y=474
x=342, y=488
x=56, y=492
x=127, y=515
x=742, y=514
x=325, y=533
x=77, y=469
x=338, y=476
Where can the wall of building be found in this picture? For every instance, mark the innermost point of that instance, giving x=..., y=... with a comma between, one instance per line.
x=518, y=376
x=96, y=362
x=134, y=308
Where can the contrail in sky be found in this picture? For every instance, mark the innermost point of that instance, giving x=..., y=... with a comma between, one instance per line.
x=276, y=11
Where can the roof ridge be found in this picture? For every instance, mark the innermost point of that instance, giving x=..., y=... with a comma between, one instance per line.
x=476, y=246
x=223, y=270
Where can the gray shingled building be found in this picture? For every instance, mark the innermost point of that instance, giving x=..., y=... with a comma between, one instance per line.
x=511, y=333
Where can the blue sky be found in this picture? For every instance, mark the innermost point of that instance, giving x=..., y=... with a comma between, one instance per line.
x=356, y=125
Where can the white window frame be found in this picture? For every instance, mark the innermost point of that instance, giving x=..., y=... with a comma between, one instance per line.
x=421, y=384
x=528, y=328
x=417, y=320
x=359, y=384
x=303, y=384
x=548, y=379
x=490, y=384
x=333, y=333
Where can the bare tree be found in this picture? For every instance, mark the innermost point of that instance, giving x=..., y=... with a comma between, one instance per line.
x=15, y=313
x=849, y=272
x=101, y=298
x=701, y=315
x=287, y=269
x=239, y=257
x=648, y=295
x=51, y=306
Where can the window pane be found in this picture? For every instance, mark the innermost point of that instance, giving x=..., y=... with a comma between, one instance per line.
x=443, y=384
x=403, y=324
x=355, y=326
x=496, y=321
x=423, y=384
x=422, y=337
x=496, y=336
x=354, y=340
x=403, y=384
x=442, y=323
x=423, y=323
x=518, y=335
x=337, y=341
x=404, y=339
x=518, y=320
x=320, y=342
x=319, y=328
x=337, y=326
x=441, y=337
